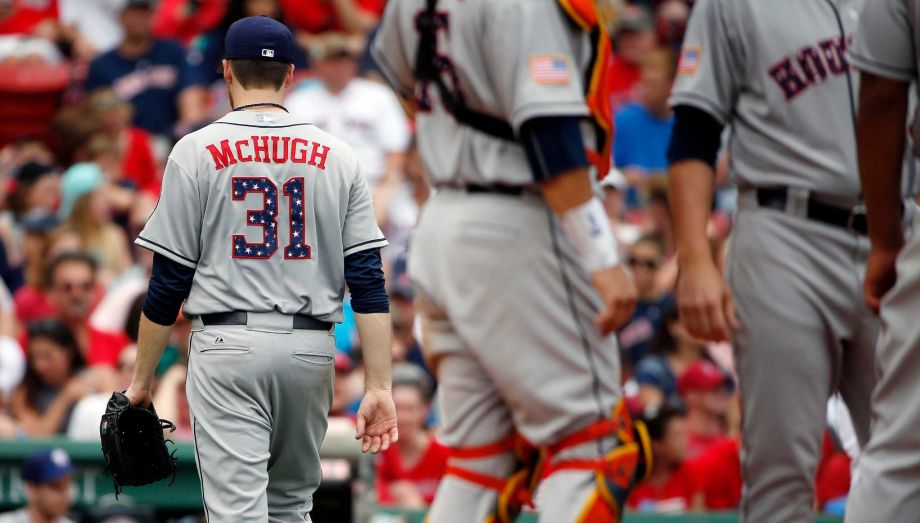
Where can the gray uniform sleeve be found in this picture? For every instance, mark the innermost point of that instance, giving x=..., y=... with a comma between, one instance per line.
x=527, y=47
x=884, y=41
x=360, y=231
x=174, y=228
x=711, y=68
x=390, y=53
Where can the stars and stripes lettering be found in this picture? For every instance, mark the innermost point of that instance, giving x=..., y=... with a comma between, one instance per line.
x=264, y=218
x=297, y=249
x=267, y=219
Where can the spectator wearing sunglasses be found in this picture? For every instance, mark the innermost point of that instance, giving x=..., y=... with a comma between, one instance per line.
x=645, y=258
x=72, y=290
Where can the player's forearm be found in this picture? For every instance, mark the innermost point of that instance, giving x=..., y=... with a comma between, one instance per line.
x=567, y=190
x=880, y=147
x=151, y=342
x=690, y=186
x=376, y=333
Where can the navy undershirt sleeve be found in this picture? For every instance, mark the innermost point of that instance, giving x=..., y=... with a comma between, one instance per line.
x=697, y=135
x=364, y=276
x=170, y=283
x=553, y=145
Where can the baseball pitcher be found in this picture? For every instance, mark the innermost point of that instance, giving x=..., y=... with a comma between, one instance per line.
x=776, y=72
x=513, y=260
x=262, y=221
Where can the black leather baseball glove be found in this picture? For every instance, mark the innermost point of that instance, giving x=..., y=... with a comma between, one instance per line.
x=133, y=444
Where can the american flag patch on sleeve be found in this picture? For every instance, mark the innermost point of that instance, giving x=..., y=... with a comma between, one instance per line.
x=689, y=59
x=550, y=69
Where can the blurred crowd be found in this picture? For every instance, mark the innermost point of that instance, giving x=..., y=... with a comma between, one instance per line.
x=93, y=93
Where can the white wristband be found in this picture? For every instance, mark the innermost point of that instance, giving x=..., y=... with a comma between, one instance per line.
x=588, y=229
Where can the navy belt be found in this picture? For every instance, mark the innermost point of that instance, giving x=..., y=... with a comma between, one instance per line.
x=301, y=321
x=852, y=219
x=507, y=190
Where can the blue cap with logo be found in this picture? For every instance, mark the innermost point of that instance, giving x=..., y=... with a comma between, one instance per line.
x=46, y=466
x=259, y=38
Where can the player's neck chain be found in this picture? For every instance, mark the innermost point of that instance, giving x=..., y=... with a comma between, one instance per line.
x=260, y=104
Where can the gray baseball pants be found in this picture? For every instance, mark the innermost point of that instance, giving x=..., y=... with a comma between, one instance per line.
x=888, y=485
x=259, y=397
x=508, y=325
x=806, y=333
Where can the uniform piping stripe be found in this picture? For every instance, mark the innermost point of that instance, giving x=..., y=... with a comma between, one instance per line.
x=167, y=249
x=263, y=126
x=573, y=309
x=365, y=243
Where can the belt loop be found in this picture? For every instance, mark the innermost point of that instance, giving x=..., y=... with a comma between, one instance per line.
x=270, y=322
x=797, y=201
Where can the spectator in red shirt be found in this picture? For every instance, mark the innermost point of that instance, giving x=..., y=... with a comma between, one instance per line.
x=719, y=469
x=673, y=486
x=707, y=391
x=635, y=38
x=320, y=16
x=31, y=300
x=409, y=472
x=28, y=17
x=184, y=20
x=72, y=292
x=136, y=166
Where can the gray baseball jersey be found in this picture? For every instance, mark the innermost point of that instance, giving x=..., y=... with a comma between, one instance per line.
x=514, y=60
x=777, y=72
x=885, y=45
x=265, y=207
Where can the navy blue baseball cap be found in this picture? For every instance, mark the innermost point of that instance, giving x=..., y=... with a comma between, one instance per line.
x=46, y=466
x=259, y=38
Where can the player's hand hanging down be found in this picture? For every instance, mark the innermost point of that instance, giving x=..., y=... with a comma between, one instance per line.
x=705, y=302
x=376, y=422
x=618, y=293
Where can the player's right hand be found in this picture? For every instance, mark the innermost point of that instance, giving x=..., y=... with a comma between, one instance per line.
x=705, y=302
x=618, y=294
x=880, y=276
x=375, y=424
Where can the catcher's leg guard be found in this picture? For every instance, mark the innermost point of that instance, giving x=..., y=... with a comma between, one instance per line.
x=514, y=491
x=618, y=472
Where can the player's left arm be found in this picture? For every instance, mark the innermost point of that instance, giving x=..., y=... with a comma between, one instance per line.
x=556, y=153
x=884, y=53
x=170, y=283
x=376, y=420
x=173, y=233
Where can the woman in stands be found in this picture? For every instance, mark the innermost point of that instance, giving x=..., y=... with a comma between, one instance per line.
x=56, y=378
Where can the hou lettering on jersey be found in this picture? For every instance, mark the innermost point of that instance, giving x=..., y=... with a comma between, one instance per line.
x=810, y=65
x=269, y=149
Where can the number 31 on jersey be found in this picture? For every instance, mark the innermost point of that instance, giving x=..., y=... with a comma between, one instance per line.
x=267, y=219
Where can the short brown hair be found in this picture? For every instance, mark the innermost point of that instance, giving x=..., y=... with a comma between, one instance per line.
x=259, y=74
x=661, y=60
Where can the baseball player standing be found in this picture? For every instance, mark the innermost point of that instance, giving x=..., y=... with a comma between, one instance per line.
x=777, y=73
x=885, y=51
x=515, y=267
x=262, y=220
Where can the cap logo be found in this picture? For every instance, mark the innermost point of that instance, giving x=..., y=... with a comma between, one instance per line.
x=268, y=53
x=60, y=458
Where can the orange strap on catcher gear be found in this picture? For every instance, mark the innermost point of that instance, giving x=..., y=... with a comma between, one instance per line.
x=589, y=16
x=515, y=491
x=617, y=472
